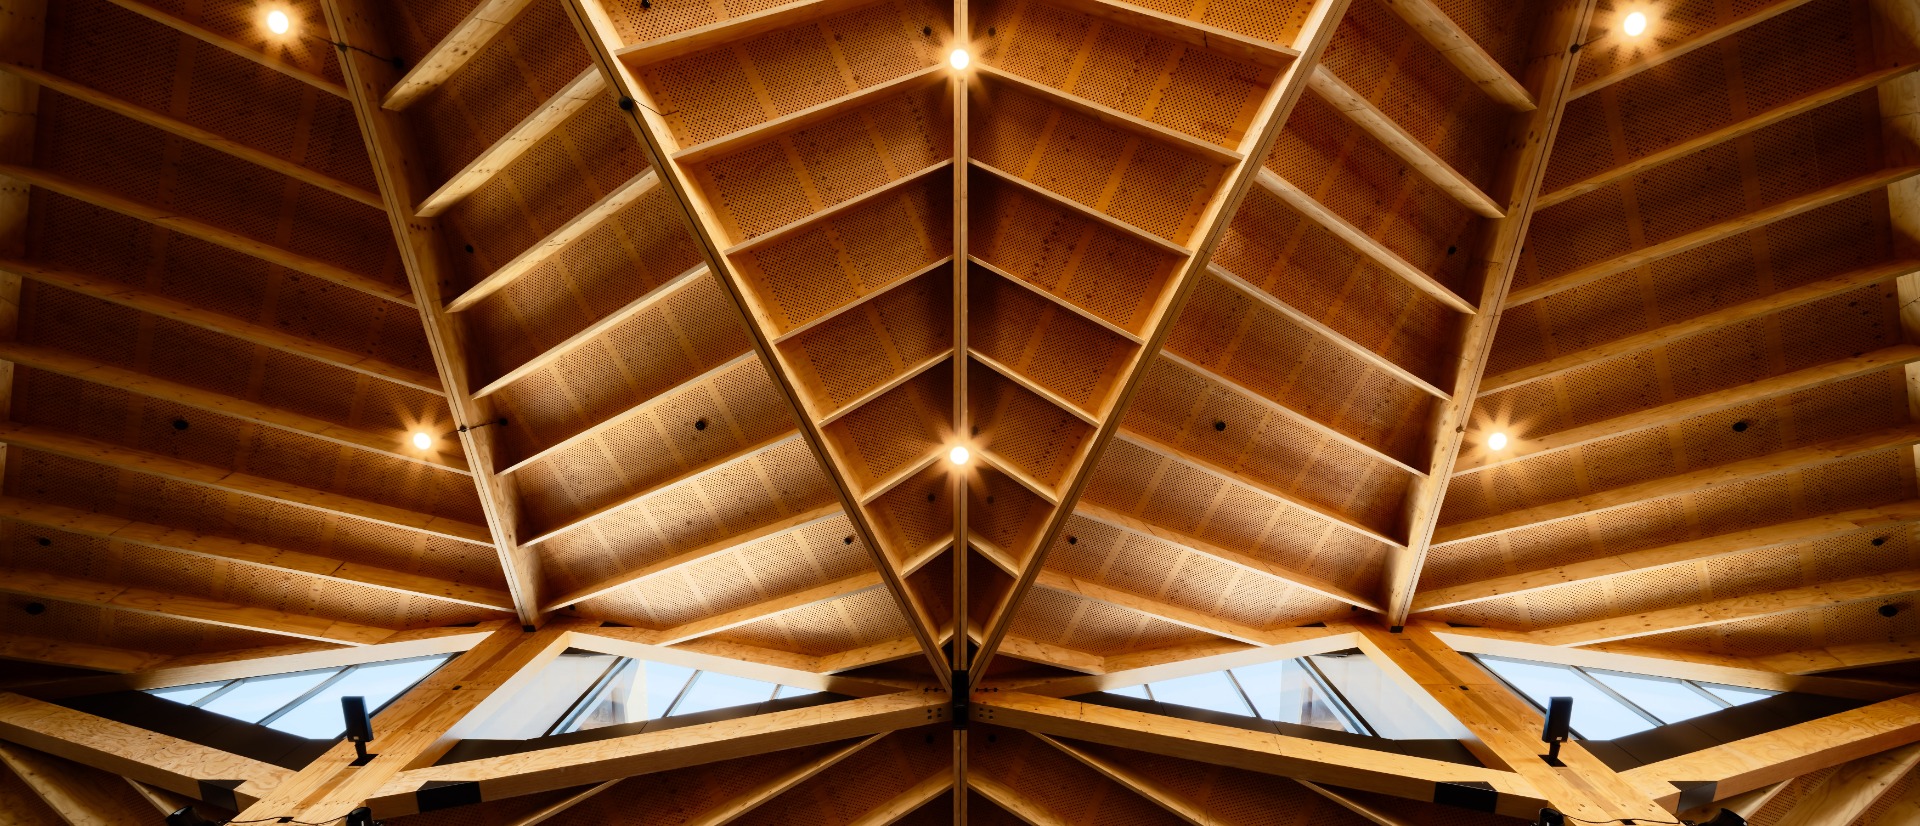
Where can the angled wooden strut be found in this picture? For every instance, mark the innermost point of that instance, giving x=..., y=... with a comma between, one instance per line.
x=1548, y=76
x=604, y=44
x=396, y=165
x=1315, y=34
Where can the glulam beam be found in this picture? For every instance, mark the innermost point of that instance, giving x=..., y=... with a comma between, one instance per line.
x=1416, y=155
x=1497, y=255
x=559, y=239
x=447, y=57
x=1731, y=609
x=586, y=88
x=1460, y=49
x=80, y=795
x=25, y=648
x=120, y=597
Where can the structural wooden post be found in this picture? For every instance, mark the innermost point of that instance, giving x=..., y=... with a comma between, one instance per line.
x=397, y=165
x=82, y=796
x=1548, y=77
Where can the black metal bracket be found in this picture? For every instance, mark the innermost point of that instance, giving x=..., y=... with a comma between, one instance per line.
x=364, y=758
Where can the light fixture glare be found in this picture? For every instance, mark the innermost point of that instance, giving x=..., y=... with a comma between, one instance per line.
x=1635, y=24
x=959, y=59
x=422, y=441
x=277, y=21
x=1497, y=441
x=958, y=455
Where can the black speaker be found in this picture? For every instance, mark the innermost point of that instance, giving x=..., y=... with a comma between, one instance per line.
x=186, y=816
x=362, y=816
x=1726, y=817
x=1550, y=817
x=359, y=723
x=1559, y=720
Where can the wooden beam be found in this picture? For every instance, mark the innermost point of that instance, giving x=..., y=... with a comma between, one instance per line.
x=1525, y=446
x=679, y=561
x=593, y=332
x=117, y=748
x=1746, y=126
x=905, y=803
x=180, y=128
x=735, y=141
x=235, y=665
x=1460, y=49
x=1791, y=459
x=1732, y=609
x=1372, y=815
x=265, y=335
x=561, y=767
x=1196, y=34
x=163, y=802
x=390, y=146
x=193, y=227
x=730, y=658
x=685, y=476
x=1277, y=104
x=467, y=38
x=1147, y=787
x=1707, y=235
x=560, y=806
x=391, y=444
x=168, y=467
x=1287, y=644
x=1718, y=319
x=1846, y=794
x=1311, y=760
x=22, y=42
x=1395, y=139
x=43, y=585
x=1321, y=329
x=1242, y=479
x=193, y=543
x=1053, y=580
x=730, y=30
x=1785, y=753
x=1793, y=532
x=80, y=795
x=1498, y=254
x=1656, y=57
x=1501, y=726
x=419, y=726
x=559, y=239
x=535, y=127
x=769, y=608
x=1123, y=121
x=873, y=196
x=213, y=38
x=643, y=406
x=1082, y=210
x=603, y=41
x=1838, y=657
x=740, y=804
x=1359, y=241
x=75, y=654
x=1238, y=559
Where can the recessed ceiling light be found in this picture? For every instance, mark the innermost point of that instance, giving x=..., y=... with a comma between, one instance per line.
x=958, y=455
x=422, y=441
x=959, y=59
x=277, y=22
x=1497, y=441
x=1635, y=24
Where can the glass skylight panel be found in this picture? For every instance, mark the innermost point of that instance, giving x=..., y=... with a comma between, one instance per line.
x=187, y=694
x=711, y=690
x=1737, y=695
x=1212, y=691
x=319, y=717
x=1285, y=692
x=256, y=697
x=534, y=709
x=663, y=685
x=1380, y=701
x=793, y=691
x=1668, y=699
x=1137, y=691
x=1596, y=714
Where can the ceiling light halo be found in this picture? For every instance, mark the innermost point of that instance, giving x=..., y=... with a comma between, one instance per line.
x=278, y=22
x=422, y=441
x=959, y=59
x=1634, y=24
x=1496, y=441
x=959, y=455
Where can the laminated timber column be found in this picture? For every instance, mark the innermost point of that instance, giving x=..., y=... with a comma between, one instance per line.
x=1314, y=35
x=1506, y=729
x=1548, y=77
x=604, y=43
x=22, y=32
x=395, y=155
x=960, y=648
x=1896, y=42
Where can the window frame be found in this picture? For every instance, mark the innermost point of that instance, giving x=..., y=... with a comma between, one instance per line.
x=1584, y=673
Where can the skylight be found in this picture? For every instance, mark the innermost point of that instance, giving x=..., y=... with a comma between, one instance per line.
x=1343, y=691
x=1612, y=704
x=306, y=703
x=581, y=690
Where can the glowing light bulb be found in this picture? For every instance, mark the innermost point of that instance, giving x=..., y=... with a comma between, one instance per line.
x=958, y=455
x=1635, y=24
x=422, y=441
x=959, y=59
x=1497, y=441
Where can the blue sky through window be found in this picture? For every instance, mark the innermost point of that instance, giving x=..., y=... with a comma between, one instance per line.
x=1609, y=704
x=305, y=703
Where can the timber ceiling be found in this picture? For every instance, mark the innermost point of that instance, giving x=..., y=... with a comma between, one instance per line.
x=690, y=301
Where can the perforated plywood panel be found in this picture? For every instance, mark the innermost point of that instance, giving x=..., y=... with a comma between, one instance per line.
x=897, y=430
x=1352, y=174
x=590, y=155
x=1076, y=360
x=138, y=632
x=1024, y=429
x=861, y=783
x=523, y=66
x=1108, y=273
x=1094, y=627
x=1004, y=512
x=1056, y=782
x=1245, y=798
x=720, y=91
x=740, y=496
x=678, y=795
x=1232, y=335
x=863, y=619
x=916, y=514
x=687, y=334
x=842, y=359
x=1295, y=260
